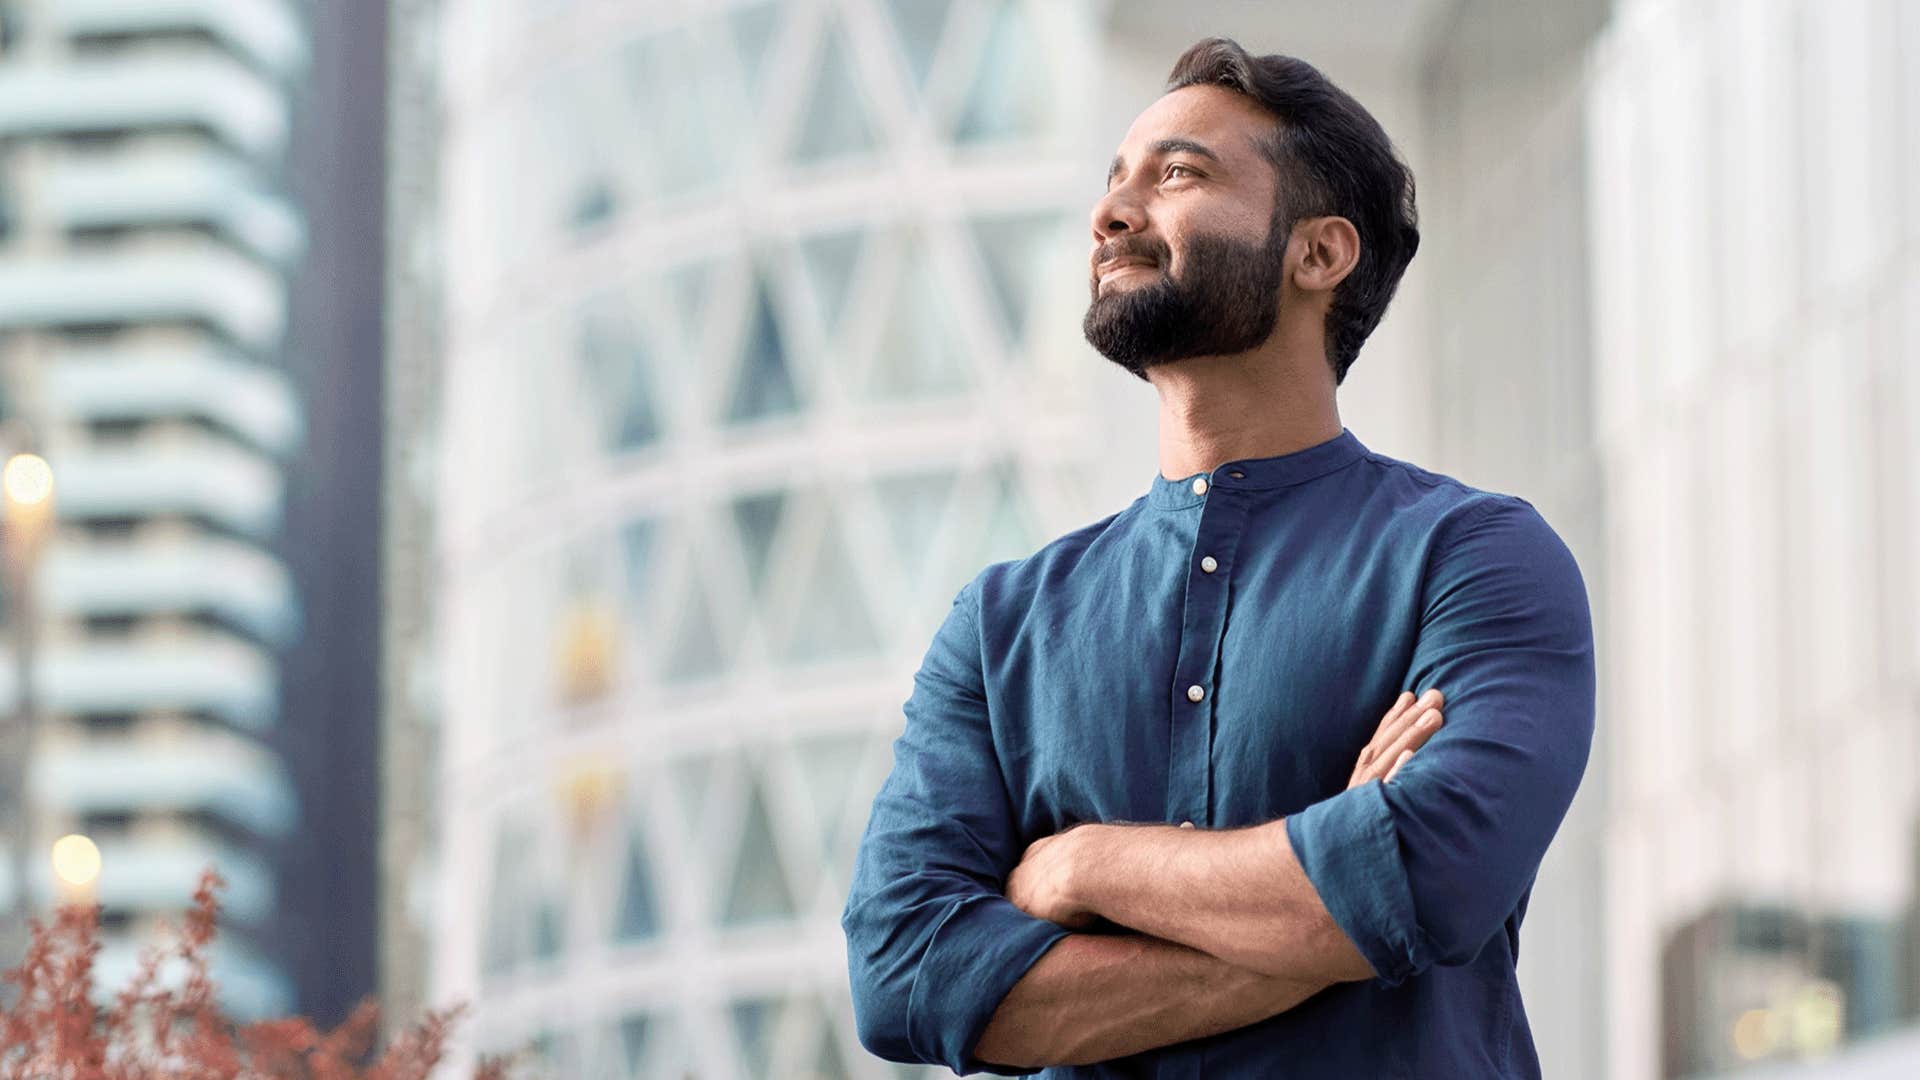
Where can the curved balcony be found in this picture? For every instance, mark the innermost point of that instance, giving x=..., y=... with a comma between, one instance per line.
x=194, y=282
x=250, y=986
x=263, y=31
x=194, y=187
x=239, y=781
x=255, y=402
x=204, y=476
x=235, y=582
x=220, y=677
x=212, y=92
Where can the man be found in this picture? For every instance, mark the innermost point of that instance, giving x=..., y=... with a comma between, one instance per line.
x=1125, y=834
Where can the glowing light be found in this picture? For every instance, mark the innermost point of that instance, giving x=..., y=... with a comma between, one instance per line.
x=1756, y=1033
x=1817, y=1016
x=76, y=860
x=27, y=479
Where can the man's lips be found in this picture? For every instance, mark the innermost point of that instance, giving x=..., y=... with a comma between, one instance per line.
x=1115, y=265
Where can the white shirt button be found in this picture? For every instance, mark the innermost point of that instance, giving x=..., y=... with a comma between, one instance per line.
x=1208, y=564
x=1199, y=485
x=1186, y=824
x=1195, y=693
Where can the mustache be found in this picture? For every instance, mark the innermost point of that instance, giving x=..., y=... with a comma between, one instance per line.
x=1128, y=248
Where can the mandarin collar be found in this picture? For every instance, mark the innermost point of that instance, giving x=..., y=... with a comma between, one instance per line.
x=1258, y=473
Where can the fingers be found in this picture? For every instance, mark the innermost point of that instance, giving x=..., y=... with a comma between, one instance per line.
x=1412, y=737
x=1404, y=713
x=1405, y=756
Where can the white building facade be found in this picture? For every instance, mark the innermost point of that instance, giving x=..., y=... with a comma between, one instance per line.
x=749, y=331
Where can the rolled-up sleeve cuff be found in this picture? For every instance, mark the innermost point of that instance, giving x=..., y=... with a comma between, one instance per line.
x=978, y=952
x=1351, y=854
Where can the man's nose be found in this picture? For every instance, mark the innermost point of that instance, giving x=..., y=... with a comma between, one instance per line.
x=1114, y=214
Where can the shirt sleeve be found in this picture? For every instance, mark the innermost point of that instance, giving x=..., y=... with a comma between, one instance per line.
x=933, y=944
x=1425, y=870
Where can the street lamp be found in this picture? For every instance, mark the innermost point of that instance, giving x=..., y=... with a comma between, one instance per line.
x=26, y=496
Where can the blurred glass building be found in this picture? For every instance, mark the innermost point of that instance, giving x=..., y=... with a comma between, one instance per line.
x=145, y=249
x=730, y=338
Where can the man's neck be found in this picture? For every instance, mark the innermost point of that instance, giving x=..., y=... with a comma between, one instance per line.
x=1219, y=409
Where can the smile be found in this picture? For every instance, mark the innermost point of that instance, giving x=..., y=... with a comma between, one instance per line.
x=1108, y=269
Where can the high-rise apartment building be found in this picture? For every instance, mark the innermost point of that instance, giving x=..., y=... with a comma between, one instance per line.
x=145, y=251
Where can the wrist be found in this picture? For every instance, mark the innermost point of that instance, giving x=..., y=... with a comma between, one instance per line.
x=1083, y=878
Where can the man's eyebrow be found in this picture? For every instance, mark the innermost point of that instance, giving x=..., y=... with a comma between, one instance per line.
x=1164, y=146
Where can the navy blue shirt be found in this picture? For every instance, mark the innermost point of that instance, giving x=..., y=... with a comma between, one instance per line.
x=1300, y=594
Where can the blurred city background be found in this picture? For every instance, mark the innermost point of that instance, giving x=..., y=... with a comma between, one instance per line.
x=482, y=474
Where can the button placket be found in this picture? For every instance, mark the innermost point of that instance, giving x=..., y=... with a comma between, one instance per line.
x=1190, y=762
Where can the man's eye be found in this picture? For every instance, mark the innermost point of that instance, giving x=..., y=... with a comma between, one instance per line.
x=1177, y=165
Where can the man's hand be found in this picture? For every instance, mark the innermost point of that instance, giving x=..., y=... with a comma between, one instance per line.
x=1041, y=884
x=1406, y=727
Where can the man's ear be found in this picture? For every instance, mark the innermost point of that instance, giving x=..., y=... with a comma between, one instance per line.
x=1329, y=250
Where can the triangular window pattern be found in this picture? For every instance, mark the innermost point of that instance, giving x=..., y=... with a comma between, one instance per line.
x=913, y=505
x=763, y=385
x=697, y=651
x=756, y=518
x=1014, y=250
x=917, y=25
x=638, y=916
x=830, y=260
x=691, y=779
x=919, y=354
x=615, y=365
x=835, y=122
x=757, y=889
x=1007, y=535
x=636, y=557
x=830, y=767
x=753, y=1025
x=1008, y=94
x=633, y=1043
x=688, y=284
x=833, y=620
x=753, y=27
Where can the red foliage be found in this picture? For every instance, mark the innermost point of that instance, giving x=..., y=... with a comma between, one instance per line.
x=53, y=1030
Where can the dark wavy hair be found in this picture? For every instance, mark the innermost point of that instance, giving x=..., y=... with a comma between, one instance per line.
x=1332, y=158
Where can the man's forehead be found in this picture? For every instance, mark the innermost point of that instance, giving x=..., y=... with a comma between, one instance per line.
x=1223, y=120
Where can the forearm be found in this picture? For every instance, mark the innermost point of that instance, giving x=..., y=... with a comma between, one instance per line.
x=1239, y=895
x=1095, y=997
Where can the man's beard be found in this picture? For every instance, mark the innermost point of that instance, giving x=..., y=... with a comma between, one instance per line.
x=1226, y=300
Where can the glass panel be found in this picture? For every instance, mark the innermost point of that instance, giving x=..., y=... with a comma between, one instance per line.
x=835, y=122
x=547, y=930
x=830, y=766
x=830, y=260
x=756, y=517
x=684, y=118
x=917, y=25
x=1008, y=534
x=637, y=550
x=688, y=284
x=753, y=1026
x=913, y=505
x=504, y=946
x=692, y=781
x=638, y=917
x=763, y=385
x=833, y=620
x=917, y=356
x=1014, y=250
x=696, y=651
x=753, y=27
x=633, y=1042
x=1008, y=95
x=758, y=890
x=614, y=363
